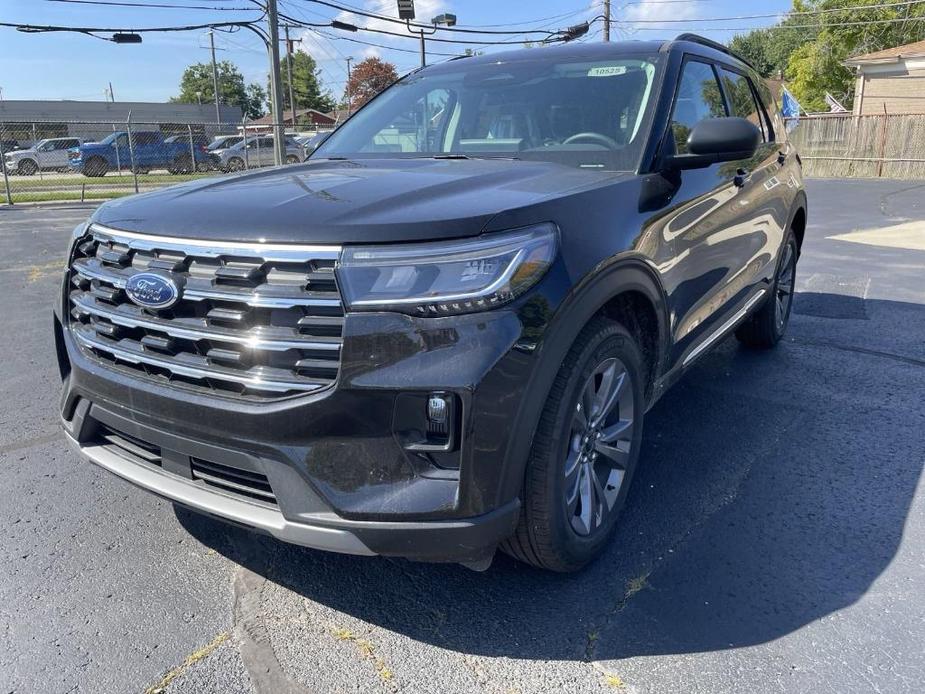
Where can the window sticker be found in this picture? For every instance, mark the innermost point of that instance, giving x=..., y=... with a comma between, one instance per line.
x=607, y=71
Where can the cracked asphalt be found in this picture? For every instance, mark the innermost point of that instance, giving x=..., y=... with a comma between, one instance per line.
x=774, y=538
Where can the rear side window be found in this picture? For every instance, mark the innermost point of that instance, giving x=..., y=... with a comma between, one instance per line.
x=699, y=97
x=146, y=138
x=742, y=100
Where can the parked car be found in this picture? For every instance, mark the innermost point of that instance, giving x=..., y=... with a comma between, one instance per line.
x=149, y=150
x=435, y=343
x=310, y=144
x=257, y=152
x=200, y=140
x=224, y=141
x=46, y=155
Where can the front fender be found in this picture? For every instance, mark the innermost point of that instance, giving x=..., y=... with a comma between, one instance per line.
x=620, y=274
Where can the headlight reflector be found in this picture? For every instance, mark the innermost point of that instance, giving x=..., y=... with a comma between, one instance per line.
x=446, y=277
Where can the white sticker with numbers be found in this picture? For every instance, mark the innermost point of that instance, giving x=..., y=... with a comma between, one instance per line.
x=607, y=71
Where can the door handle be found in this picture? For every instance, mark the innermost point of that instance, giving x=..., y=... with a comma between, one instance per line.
x=739, y=180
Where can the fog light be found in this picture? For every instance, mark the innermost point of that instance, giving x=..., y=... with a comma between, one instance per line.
x=437, y=413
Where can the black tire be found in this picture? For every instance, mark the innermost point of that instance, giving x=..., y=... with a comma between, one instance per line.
x=545, y=536
x=95, y=167
x=27, y=167
x=765, y=328
x=180, y=165
x=236, y=164
x=292, y=159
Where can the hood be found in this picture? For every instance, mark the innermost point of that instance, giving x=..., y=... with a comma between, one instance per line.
x=349, y=201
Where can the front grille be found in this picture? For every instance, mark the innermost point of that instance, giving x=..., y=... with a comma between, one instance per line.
x=254, y=320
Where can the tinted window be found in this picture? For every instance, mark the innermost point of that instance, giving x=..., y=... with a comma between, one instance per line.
x=590, y=114
x=741, y=98
x=145, y=138
x=67, y=144
x=699, y=97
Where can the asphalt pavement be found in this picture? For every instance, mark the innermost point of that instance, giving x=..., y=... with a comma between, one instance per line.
x=774, y=538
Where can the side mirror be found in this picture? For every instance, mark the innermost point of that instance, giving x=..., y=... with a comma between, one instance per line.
x=716, y=140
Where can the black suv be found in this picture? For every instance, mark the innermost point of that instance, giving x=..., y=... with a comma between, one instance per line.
x=441, y=334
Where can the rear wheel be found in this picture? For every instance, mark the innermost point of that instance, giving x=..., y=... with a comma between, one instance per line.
x=292, y=159
x=96, y=167
x=584, y=453
x=236, y=164
x=27, y=167
x=767, y=326
x=180, y=165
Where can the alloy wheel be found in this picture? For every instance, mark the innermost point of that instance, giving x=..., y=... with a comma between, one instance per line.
x=784, y=287
x=599, y=446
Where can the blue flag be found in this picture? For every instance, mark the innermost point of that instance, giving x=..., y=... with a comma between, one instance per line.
x=790, y=107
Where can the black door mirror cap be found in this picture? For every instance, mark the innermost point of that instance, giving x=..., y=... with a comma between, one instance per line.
x=715, y=140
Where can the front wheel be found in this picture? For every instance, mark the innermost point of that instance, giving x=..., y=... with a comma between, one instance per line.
x=767, y=326
x=584, y=453
x=236, y=164
x=292, y=159
x=27, y=167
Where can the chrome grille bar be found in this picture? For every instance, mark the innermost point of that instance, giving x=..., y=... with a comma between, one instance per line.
x=120, y=315
x=256, y=319
x=133, y=355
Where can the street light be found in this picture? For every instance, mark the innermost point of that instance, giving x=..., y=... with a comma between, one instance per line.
x=445, y=19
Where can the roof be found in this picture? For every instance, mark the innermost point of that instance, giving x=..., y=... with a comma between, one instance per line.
x=287, y=116
x=890, y=55
x=114, y=112
x=594, y=51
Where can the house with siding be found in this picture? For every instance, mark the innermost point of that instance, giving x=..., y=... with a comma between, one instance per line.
x=890, y=81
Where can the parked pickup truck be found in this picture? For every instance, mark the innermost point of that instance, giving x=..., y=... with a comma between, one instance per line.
x=149, y=150
x=47, y=155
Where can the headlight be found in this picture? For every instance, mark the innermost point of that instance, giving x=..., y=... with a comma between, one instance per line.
x=446, y=277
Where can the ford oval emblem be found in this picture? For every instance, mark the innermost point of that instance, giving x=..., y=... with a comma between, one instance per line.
x=150, y=290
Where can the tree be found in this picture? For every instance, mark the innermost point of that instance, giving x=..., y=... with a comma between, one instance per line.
x=851, y=28
x=368, y=78
x=306, y=83
x=810, y=49
x=196, y=86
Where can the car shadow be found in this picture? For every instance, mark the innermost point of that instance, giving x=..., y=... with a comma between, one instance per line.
x=773, y=491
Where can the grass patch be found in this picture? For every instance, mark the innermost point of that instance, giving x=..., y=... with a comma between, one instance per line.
x=24, y=182
x=68, y=195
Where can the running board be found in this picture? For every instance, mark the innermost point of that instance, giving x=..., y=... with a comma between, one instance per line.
x=723, y=329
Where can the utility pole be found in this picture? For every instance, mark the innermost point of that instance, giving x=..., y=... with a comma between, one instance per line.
x=349, y=99
x=218, y=113
x=606, y=21
x=423, y=51
x=276, y=88
x=289, y=53
x=112, y=97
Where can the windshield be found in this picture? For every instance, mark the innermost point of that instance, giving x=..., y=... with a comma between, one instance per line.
x=589, y=114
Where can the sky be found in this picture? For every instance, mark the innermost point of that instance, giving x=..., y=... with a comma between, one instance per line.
x=75, y=66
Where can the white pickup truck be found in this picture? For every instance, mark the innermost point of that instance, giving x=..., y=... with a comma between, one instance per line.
x=46, y=155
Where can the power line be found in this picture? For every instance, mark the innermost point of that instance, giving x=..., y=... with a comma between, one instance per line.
x=774, y=27
x=395, y=20
x=147, y=5
x=904, y=3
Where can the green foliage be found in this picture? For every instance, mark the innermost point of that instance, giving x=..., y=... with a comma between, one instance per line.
x=196, y=86
x=306, y=84
x=810, y=49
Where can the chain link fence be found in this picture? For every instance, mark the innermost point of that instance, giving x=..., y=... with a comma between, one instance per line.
x=93, y=161
x=869, y=146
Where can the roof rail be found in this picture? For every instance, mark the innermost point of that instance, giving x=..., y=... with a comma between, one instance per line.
x=715, y=45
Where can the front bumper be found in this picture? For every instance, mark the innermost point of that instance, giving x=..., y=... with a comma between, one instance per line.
x=342, y=475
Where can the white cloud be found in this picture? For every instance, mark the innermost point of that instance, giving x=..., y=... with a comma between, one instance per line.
x=653, y=10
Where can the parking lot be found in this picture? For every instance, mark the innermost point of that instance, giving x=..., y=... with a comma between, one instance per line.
x=774, y=538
